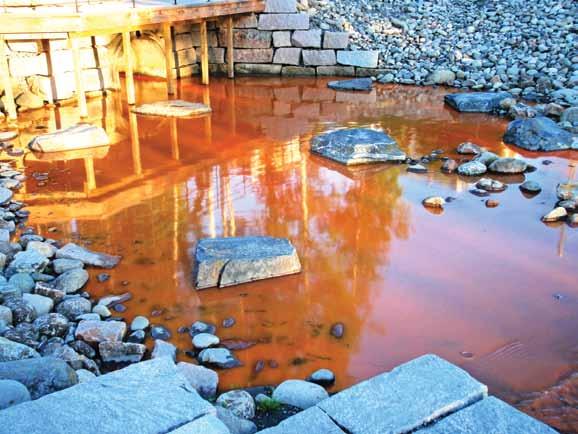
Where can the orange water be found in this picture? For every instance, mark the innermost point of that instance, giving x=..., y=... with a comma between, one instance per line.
x=404, y=281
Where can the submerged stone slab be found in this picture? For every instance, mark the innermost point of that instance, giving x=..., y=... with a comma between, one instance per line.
x=148, y=397
x=231, y=261
x=87, y=257
x=476, y=102
x=175, y=108
x=78, y=136
x=488, y=416
x=362, y=84
x=357, y=146
x=411, y=395
x=311, y=421
x=539, y=134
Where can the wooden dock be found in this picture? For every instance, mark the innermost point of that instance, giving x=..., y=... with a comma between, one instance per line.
x=73, y=21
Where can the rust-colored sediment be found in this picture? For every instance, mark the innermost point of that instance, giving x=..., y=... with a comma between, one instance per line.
x=404, y=281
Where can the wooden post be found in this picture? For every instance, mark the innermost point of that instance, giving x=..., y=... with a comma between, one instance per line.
x=128, y=60
x=6, y=81
x=80, y=96
x=204, y=54
x=90, y=177
x=230, y=48
x=169, y=57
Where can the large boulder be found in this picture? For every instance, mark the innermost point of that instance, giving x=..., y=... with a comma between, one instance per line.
x=539, y=134
x=299, y=393
x=231, y=261
x=476, y=102
x=41, y=376
x=173, y=108
x=357, y=146
x=78, y=136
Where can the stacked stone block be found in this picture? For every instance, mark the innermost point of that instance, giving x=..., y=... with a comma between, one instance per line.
x=279, y=41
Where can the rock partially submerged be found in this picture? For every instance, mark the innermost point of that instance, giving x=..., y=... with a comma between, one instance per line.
x=476, y=102
x=78, y=136
x=361, y=84
x=357, y=146
x=299, y=393
x=231, y=261
x=175, y=108
x=88, y=257
x=539, y=134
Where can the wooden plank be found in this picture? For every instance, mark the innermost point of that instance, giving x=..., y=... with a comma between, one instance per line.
x=204, y=54
x=230, y=48
x=112, y=20
x=73, y=44
x=129, y=78
x=169, y=57
x=7, y=82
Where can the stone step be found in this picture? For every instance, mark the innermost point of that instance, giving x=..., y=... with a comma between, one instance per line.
x=148, y=397
x=312, y=420
x=404, y=399
x=489, y=416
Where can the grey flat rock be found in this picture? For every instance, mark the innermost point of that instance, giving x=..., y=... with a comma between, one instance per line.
x=539, y=134
x=404, y=399
x=10, y=351
x=175, y=108
x=357, y=146
x=88, y=257
x=476, y=102
x=78, y=136
x=209, y=424
x=313, y=421
x=148, y=397
x=489, y=416
x=231, y=261
x=360, y=84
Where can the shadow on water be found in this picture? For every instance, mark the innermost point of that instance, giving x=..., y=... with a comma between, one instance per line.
x=403, y=281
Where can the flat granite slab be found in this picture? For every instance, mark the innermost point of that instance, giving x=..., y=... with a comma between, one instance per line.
x=357, y=146
x=148, y=397
x=476, y=102
x=488, y=416
x=231, y=261
x=311, y=421
x=79, y=136
x=408, y=397
x=173, y=108
x=359, y=84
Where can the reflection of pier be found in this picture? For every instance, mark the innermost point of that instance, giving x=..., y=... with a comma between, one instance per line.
x=56, y=21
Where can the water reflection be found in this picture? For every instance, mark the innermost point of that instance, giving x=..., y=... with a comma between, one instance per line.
x=403, y=281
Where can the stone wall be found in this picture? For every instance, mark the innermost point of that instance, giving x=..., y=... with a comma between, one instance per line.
x=279, y=41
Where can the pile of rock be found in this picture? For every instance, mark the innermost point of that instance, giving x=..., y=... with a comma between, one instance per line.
x=528, y=48
x=567, y=206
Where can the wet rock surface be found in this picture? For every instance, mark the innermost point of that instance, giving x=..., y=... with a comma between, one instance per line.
x=232, y=261
x=359, y=84
x=476, y=102
x=299, y=393
x=173, y=108
x=539, y=134
x=357, y=146
x=78, y=136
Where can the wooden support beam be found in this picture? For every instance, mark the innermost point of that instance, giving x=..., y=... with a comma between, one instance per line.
x=169, y=57
x=6, y=81
x=128, y=60
x=204, y=54
x=230, y=48
x=73, y=43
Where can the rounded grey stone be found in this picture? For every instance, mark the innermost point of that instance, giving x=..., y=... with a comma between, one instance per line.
x=22, y=281
x=139, y=323
x=12, y=393
x=239, y=402
x=205, y=340
x=299, y=393
x=472, y=168
x=73, y=307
